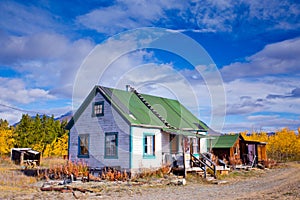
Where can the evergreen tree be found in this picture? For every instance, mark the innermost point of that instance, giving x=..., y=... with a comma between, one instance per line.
x=4, y=125
x=24, y=131
x=39, y=133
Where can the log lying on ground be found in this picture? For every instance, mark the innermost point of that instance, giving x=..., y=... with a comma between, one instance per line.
x=65, y=189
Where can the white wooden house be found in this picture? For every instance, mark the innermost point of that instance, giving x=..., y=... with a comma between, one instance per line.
x=129, y=130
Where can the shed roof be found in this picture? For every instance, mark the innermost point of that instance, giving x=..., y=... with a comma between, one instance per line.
x=145, y=110
x=225, y=141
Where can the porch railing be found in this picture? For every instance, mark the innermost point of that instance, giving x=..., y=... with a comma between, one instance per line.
x=203, y=162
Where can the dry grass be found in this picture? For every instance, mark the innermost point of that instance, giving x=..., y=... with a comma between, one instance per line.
x=60, y=170
x=52, y=161
x=12, y=179
x=241, y=174
x=145, y=173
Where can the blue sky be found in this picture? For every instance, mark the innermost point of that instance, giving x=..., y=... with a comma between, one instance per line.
x=255, y=46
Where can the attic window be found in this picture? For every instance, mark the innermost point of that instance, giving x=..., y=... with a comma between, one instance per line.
x=98, y=109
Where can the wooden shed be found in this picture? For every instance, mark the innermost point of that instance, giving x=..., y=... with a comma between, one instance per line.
x=233, y=149
x=253, y=151
x=227, y=149
x=25, y=156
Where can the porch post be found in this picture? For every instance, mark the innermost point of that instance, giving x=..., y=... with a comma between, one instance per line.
x=184, y=156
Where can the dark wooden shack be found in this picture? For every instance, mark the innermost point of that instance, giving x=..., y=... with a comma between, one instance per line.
x=233, y=149
x=25, y=156
x=253, y=151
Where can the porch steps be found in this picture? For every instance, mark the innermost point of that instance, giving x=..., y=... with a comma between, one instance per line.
x=203, y=164
x=199, y=172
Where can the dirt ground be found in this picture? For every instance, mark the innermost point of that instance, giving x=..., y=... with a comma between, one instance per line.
x=278, y=183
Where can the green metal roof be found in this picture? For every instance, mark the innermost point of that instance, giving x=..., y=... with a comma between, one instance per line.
x=136, y=112
x=225, y=141
x=132, y=108
x=175, y=113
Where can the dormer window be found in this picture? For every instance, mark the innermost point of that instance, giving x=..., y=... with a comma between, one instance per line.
x=98, y=109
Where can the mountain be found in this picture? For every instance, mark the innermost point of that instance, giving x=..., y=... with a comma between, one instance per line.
x=65, y=117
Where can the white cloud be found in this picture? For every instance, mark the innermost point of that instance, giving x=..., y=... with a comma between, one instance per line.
x=10, y=115
x=41, y=46
x=273, y=122
x=20, y=19
x=33, y=45
x=246, y=96
x=262, y=117
x=275, y=59
x=14, y=90
x=268, y=124
x=281, y=14
x=45, y=60
x=126, y=15
x=203, y=16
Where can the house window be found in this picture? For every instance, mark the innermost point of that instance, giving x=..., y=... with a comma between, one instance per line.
x=111, y=145
x=149, y=145
x=83, y=146
x=98, y=109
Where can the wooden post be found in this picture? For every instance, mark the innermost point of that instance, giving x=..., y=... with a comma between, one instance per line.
x=184, y=156
x=21, y=158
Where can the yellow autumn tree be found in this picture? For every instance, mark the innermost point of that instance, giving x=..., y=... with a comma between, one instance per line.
x=286, y=145
x=58, y=147
x=6, y=141
x=61, y=146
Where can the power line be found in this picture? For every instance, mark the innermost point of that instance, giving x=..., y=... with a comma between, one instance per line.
x=22, y=110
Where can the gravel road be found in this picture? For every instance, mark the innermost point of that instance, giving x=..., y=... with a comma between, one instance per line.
x=281, y=183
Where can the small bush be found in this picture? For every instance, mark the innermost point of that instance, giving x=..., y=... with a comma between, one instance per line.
x=60, y=171
x=150, y=173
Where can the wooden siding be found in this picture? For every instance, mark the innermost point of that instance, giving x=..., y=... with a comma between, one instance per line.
x=261, y=153
x=138, y=159
x=96, y=127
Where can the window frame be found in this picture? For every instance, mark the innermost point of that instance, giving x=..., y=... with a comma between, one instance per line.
x=147, y=155
x=116, y=145
x=79, y=155
x=97, y=103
